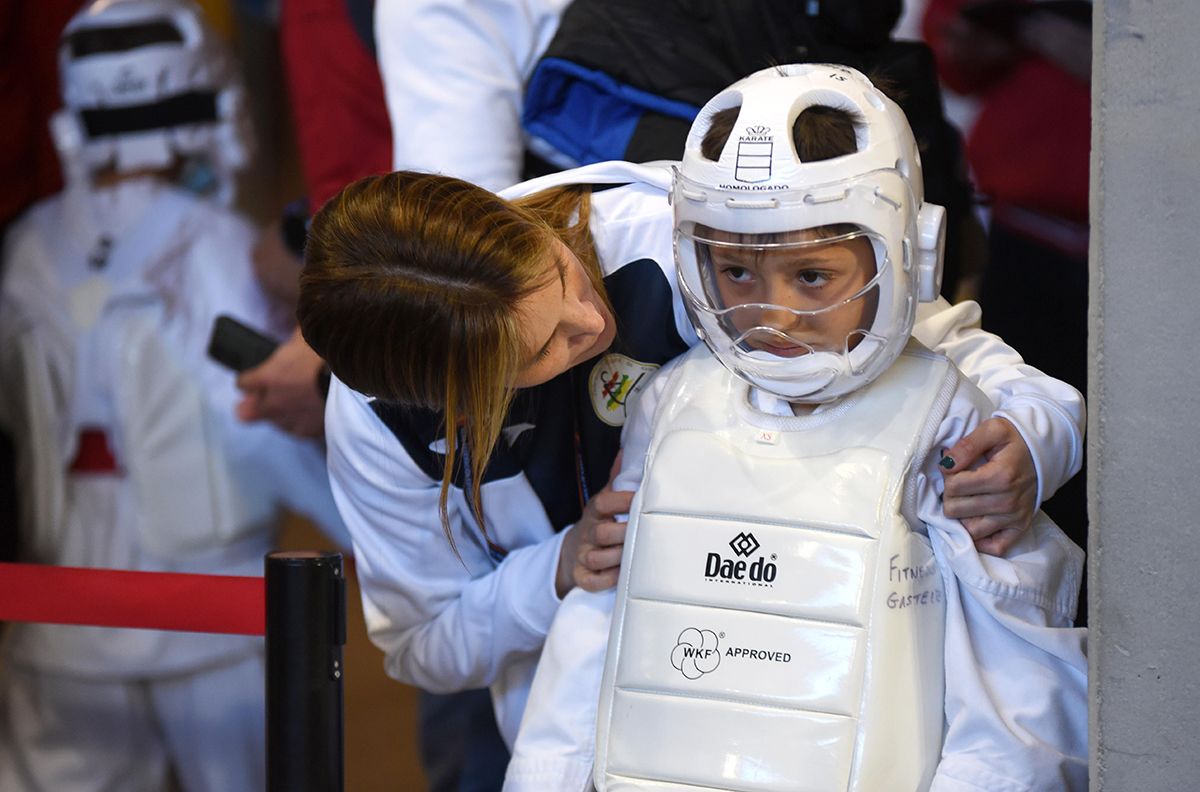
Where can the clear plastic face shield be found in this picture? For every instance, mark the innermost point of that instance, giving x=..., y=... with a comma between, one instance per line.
x=788, y=294
x=807, y=294
x=802, y=275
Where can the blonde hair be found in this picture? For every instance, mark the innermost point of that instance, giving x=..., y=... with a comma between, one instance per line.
x=410, y=291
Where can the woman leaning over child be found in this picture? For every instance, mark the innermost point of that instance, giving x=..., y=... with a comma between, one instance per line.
x=486, y=351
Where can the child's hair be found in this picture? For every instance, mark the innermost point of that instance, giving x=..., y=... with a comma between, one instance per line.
x=410, y=291
x=819, y=133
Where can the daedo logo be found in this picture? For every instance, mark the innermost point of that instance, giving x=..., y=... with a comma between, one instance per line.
x=128, y=83
x=759, y=572
x=744, y=544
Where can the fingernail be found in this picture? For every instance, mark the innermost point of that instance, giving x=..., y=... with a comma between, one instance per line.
x=947, y=462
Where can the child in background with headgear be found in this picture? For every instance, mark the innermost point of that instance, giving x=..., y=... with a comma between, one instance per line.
x=131, y=454
x=794, y=609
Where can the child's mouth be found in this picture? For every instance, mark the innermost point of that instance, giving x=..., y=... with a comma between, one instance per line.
x=782, y=348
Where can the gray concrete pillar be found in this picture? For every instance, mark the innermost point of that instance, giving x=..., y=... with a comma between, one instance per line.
x=1144, y=400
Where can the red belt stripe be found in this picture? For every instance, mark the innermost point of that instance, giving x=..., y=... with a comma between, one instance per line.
x=95, y=454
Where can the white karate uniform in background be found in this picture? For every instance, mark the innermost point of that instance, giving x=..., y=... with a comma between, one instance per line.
x=454, y=77
x=107, y=304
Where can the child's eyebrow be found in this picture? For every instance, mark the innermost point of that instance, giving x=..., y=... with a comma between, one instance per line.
x=815, y=258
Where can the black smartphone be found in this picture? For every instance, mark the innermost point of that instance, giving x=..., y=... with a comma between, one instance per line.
x=238, y=347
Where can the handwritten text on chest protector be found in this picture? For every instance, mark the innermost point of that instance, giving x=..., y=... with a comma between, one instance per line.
x=913, y=575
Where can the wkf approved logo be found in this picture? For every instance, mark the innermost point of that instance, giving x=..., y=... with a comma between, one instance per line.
x=696, y=653
x=614, y=384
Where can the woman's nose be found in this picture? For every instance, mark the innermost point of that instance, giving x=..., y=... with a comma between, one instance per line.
x=586, y=319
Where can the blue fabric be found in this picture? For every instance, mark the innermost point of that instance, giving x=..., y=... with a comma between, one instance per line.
x=461, y=748
x=587, y=115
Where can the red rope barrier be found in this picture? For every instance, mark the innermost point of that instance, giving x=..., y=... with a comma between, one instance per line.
x=119, y=598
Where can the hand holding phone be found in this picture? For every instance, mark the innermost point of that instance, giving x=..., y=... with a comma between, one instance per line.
x=285, y=390
x=238, y=347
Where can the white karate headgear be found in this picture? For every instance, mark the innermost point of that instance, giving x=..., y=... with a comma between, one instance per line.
x=759, y=194
x=145, y=82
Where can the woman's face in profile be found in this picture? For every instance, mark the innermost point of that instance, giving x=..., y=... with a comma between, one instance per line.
x=563, y=323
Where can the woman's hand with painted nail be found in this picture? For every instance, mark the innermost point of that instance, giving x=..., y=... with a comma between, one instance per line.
x=991, y=485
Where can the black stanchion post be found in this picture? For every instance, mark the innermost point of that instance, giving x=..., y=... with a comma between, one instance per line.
x=306, y=629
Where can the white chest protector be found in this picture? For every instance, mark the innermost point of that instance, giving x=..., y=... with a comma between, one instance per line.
x=779, y=620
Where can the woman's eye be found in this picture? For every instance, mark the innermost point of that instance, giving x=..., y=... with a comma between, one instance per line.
x=545, y=353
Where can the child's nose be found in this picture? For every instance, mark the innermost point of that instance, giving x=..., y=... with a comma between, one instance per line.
x=778, y=318
x=781, y=298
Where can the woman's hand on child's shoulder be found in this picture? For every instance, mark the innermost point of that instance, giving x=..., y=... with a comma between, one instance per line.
x=591, y=550
x=991, y=485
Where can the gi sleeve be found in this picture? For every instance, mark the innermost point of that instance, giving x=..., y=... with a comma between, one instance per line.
x=291, y=469
x=26, y=290
x=1015, y=669
x=556, y=745
x=1048, y=413
x=301, y=480
x=453, y=75
x=12, y=325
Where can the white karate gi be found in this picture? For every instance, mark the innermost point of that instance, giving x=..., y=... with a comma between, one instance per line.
x=112, y=343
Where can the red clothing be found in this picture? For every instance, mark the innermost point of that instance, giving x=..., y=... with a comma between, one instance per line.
x=340, y=114
x=29, y=95
x=1030, y=145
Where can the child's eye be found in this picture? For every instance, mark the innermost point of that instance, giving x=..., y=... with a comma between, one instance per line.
x=543, y=354
x=813, y=278
x=737, y=274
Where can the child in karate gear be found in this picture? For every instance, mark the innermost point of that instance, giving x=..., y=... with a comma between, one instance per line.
x=131, y=454
x=794, y=610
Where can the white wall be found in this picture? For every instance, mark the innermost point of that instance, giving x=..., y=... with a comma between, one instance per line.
x=1145, y=397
